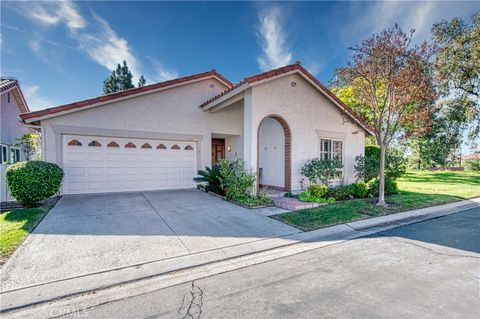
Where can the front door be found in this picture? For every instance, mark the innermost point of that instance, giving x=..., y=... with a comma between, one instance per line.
x=218, y=149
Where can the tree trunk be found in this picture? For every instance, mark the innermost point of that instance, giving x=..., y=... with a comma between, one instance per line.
x=381, y=191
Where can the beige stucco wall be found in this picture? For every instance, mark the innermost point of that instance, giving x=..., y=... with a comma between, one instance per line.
x=10, y=129
x=169, y=114
x=309, y=114
x=10, y=126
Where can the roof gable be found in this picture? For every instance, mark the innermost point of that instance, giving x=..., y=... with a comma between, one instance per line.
x=109, y=98
x=10, y=85
x=280, y=72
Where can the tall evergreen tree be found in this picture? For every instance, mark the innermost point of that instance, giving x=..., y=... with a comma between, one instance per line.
x=120, y=79
x=141, y=81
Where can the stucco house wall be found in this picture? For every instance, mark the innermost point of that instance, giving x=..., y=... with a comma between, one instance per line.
x=10, y=129
x=310, y=116
x=168, y=114
x=10, y=126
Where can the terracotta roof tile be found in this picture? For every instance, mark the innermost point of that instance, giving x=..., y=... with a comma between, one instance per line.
x=117, y=95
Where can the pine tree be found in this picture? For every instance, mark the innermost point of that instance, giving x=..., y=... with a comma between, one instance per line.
x=120, y=79
x=141, y=81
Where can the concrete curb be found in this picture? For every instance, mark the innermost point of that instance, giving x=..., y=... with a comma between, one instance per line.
x=116, y=284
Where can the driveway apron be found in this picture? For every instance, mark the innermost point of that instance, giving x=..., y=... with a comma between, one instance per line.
x=85, y=234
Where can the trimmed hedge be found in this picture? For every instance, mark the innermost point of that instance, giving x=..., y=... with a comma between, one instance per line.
x=391, y=187
x=360, y=189
x=341, y=192
x=31, y=182
x=318, y=190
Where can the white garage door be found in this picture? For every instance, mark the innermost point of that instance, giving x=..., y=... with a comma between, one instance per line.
x=94, y=164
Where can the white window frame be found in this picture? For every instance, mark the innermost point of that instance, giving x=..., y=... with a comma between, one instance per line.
x=330, y=154
x=5, y=157
x=15, y=155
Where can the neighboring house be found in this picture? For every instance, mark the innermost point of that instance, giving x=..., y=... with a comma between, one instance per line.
x=12, y=104
x=471, y=156
x=159, y=135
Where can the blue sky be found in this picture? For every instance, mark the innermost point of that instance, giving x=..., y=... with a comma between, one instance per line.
x=62, y=51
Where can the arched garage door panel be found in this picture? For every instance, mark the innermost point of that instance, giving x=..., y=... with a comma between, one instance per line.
x=95, y=164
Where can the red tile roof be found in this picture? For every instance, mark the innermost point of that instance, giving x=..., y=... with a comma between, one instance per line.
x=6, y=84
x=121, y=94
x=286, y=69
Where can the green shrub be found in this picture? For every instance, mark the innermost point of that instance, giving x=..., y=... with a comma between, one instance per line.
x=341, y=192
x=288, y=194
x=318, y=190
x=252, y=201
x=308, y=197
x=235, y=180
x=305, y=196
x=360, y=189
x=331, y=200
x=31, y=182
x=473, y=164
x=367, y=167
x=320, y=171
x=210, y=176
x=391, y=187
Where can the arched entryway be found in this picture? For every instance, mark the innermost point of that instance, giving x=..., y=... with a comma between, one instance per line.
x=274, y=154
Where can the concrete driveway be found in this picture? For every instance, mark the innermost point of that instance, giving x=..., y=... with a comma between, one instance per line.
x=86, y=234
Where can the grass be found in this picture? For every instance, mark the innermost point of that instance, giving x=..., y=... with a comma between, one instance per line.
x=15, y=226
x=418, y=189
x=460, y=184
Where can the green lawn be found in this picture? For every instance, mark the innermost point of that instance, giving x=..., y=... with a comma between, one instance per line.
x=418, y=189
x=15, y=226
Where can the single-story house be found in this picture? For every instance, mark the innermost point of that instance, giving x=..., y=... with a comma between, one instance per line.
x=158, y=136
x=12, y=105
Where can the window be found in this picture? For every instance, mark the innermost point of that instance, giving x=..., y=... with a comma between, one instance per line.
x=331, y=149
x=94, y=144
x=4, y=154
x=14, y=155
x=74, y=143
x=8, y=97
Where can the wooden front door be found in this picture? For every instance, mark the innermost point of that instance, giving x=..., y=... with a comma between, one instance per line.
x=218, y=149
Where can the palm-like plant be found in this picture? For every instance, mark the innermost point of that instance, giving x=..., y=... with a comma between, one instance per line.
x=212, y=177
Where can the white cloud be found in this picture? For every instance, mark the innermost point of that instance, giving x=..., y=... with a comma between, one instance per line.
x=94, y=36
x=272, y=38
x=105, y=47
x=34, y=99
x=53, y=13
x=34, y=45
x=366, y=18
x=161, y=72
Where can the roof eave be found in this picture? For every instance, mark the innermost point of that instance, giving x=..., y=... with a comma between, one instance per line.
x=121, y=98
x=239, y=89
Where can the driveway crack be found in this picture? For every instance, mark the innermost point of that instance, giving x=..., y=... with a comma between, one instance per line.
x=178, y=237
x=192, y=303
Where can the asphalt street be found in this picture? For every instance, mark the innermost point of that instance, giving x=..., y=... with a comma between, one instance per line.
x=429, y=269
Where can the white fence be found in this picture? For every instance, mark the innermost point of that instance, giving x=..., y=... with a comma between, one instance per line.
x=4, y=194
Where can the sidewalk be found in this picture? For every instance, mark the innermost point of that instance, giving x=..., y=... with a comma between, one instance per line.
x=111, y=285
